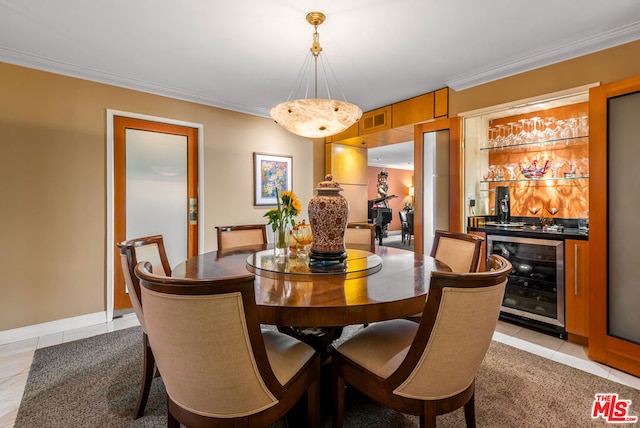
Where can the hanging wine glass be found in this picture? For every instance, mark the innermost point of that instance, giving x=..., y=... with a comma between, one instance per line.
x=524, y=132
x=549, y=132
x=533, y=210
x=536, y=133
x=563, y=132
x=583, y=127
x=552, y=208
x=572, y=125
x=501, y=138
x=493, y=135
x=516, y=138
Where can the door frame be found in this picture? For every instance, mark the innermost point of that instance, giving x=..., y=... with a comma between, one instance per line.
x=110, y=171
x=618, y=353
x=453, y=125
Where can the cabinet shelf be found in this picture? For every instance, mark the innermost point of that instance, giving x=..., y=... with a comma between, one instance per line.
x=535, y=180
x=541, y=145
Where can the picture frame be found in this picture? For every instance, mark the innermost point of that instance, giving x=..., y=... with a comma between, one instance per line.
x=270, y=172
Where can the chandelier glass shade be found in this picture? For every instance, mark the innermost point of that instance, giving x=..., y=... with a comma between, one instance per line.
x=316, y=117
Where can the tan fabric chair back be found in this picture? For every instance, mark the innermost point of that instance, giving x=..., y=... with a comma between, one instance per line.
x=207, y=343
x=460, y=251
x=360, y=234
x=453, y=342
x=151, y=253
x=240, y=236
x=212, y=370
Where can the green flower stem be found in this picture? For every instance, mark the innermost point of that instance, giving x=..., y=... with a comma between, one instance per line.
x=281, y=241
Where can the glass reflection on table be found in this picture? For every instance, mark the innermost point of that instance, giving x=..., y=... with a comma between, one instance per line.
x=359, y=263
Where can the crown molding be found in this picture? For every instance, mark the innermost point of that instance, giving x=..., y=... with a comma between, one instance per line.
x=58, y=67
x=586, y=46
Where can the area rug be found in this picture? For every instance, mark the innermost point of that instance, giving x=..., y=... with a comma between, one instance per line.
x=395, y=241
x=94, y=383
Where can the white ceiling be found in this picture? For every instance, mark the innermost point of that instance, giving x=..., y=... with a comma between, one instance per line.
x=246, y=55
x=398, y=156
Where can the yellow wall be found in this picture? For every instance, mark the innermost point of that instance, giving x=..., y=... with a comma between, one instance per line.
x=348, y=166
x=53, y=173
x=605, y=66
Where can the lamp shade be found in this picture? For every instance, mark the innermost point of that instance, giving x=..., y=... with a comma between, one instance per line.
x=316, y=117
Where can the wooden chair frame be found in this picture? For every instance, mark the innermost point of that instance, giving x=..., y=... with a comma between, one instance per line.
x=381, y=390
x=221, y=230
x=404, y=226
x=369, y=226
x=305, y=381
x=127, y=249
x=475, y=239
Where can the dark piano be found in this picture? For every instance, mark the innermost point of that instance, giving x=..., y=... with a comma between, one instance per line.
x=380, y=214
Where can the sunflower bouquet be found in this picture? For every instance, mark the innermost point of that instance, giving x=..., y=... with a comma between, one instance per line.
x=282, y=216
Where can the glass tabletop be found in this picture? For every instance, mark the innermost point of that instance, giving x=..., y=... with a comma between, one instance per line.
x=359, y=263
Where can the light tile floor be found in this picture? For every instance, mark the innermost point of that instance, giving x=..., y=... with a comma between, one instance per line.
x=15, y=358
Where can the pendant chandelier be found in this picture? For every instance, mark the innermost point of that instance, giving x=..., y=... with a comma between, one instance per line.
x=315, y=117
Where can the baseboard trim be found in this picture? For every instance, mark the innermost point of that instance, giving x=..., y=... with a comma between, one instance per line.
x=58, y=326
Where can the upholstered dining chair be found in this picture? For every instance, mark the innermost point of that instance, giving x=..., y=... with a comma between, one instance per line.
x=409, y=227
x=404, y=225
x=150, y=249
x=426, y=369
x=360, y=234
x=218, y=367
x=460, y=251
x=241, y=235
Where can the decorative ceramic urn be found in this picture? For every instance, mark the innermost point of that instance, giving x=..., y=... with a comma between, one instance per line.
x=328, y=215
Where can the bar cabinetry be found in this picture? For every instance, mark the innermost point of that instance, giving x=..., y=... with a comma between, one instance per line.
x=577, y=289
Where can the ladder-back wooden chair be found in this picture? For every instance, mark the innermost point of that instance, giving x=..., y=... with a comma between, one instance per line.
x=241, y=235
x=147, y=249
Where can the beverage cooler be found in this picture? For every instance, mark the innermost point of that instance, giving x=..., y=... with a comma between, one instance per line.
x=534, y=295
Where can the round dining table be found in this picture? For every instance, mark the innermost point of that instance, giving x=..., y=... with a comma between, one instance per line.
x=374, y=284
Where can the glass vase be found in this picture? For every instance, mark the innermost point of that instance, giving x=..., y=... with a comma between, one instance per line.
x=281, y=241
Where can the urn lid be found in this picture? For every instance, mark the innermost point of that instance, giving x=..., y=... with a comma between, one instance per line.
x=329, y=184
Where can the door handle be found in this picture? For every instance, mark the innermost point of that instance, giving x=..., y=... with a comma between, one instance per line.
x=575, y=269
x=193, y=210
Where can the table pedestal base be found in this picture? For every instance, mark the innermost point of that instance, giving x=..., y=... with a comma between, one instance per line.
x=319, y=338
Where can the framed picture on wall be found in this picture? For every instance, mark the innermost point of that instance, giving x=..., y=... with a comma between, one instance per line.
x=270, y=172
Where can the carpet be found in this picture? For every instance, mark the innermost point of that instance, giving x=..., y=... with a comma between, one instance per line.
x=94, y=383
x=395, y=241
